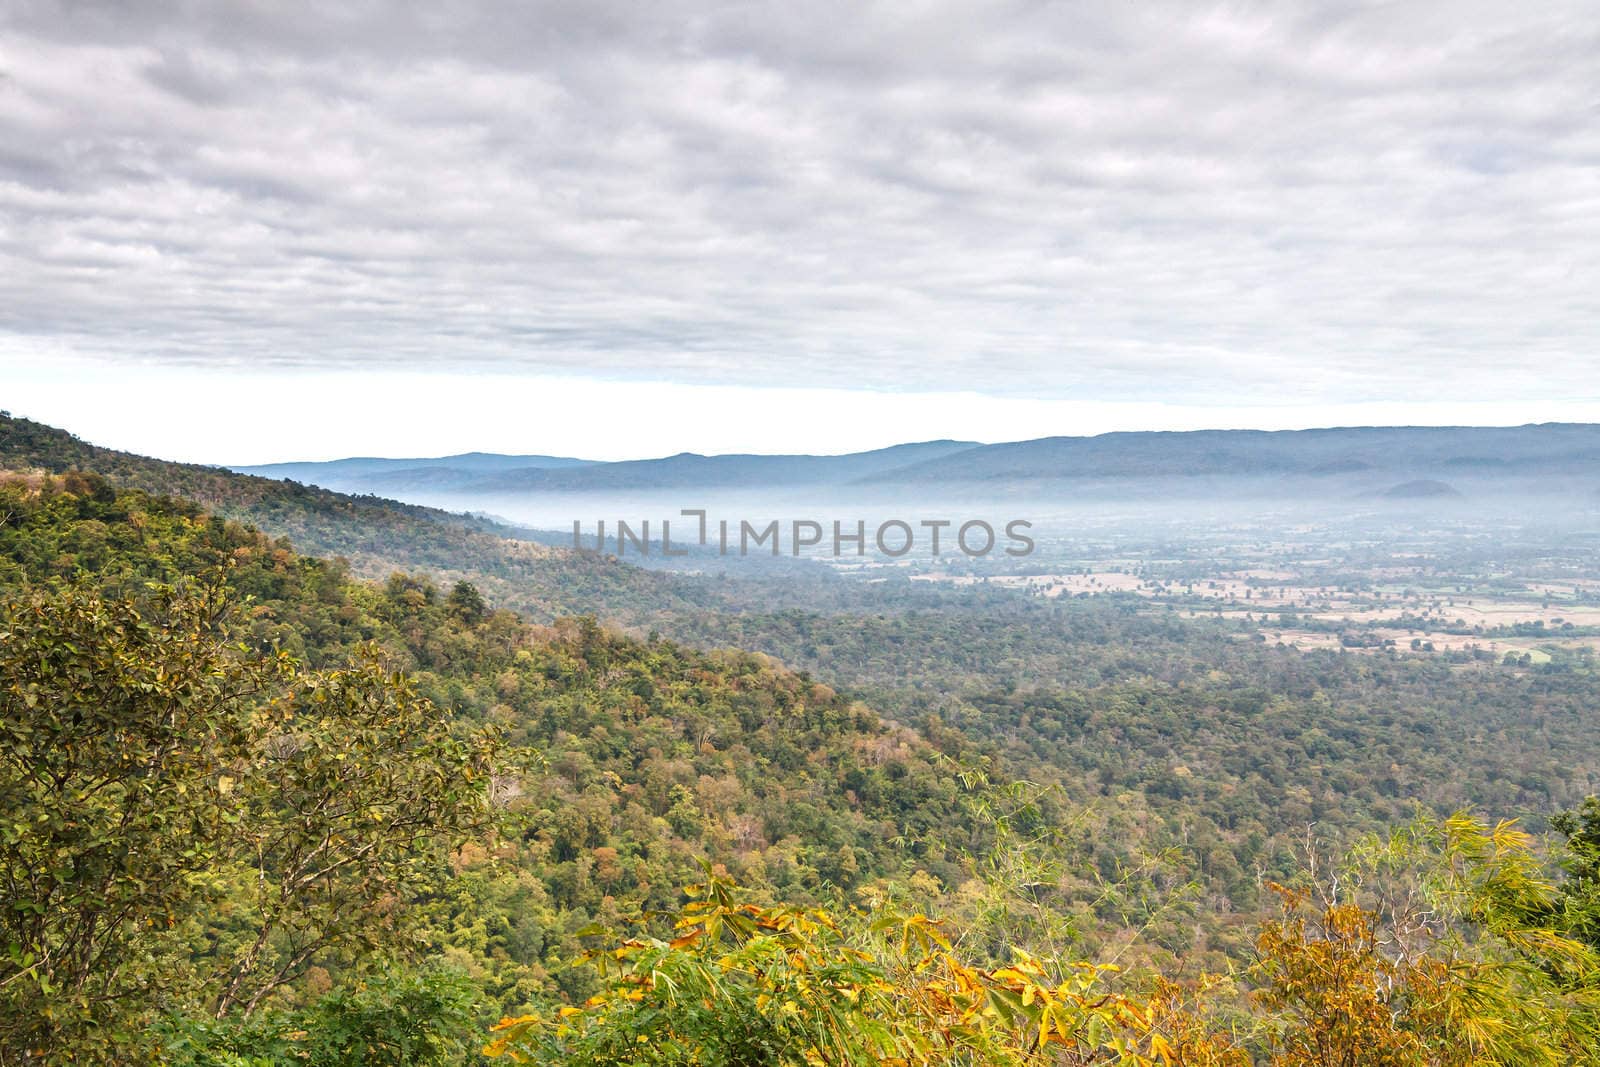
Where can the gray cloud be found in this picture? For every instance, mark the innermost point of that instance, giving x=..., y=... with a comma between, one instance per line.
x=1326, y=202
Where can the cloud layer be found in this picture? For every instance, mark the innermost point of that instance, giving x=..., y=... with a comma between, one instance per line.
x=1184, y=203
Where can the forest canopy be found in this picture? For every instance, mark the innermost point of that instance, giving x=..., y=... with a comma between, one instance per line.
x=262, y=810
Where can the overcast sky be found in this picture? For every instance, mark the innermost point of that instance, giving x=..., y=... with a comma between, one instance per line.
x=975, y=220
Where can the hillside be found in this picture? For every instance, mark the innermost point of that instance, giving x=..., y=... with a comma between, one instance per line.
x=649, y=755
x=376, y=536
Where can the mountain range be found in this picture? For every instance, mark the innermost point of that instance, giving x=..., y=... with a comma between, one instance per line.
x=488, y=473
x=371, y=470
x=1348, y=459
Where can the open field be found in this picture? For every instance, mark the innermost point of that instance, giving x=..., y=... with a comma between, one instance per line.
x=1460, y=590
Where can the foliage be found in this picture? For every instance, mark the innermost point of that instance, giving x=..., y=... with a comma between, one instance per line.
x=357, y=792
x=1580, y=892
x=746, y=984
x=421, y=1019
x=1430, y=948
x=1187, y=741
x=148, y=770
x=1031, y=880
x=122, y=731
x=645, y=755
x=1425, y=949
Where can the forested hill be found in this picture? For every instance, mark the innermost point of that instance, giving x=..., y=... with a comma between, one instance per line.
x=643, y=756
x=237, y=839
x=376, y=536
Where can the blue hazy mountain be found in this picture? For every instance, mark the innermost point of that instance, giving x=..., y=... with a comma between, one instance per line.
x=1376, y=456
x=371, y=474
x=691, y=470
x=494, y=474
x=1333, y=462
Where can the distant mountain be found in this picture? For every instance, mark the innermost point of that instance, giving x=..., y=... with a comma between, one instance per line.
x=690, y=470
x=1370, y=456
x=362, y=474
x=487, y=473
x=1343, y=462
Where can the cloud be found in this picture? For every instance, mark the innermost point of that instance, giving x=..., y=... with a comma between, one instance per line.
x=1313, y=203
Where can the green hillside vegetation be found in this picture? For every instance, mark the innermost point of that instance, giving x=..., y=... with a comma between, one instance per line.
x=260, y=809
x=376, y=536
x=646, y=756
x=1227, y=750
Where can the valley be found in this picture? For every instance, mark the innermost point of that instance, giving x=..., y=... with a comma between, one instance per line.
x=1184, y=704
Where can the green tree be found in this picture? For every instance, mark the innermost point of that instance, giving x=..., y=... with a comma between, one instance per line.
x=420, y=1019
x=121, y=731
x=1580, y=893
x=355, y=793
x=466, y=603
x=189, y=827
